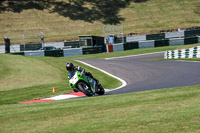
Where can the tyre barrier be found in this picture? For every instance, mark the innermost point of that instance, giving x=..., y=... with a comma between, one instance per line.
x=118, y=47
x=92, y=50
x=168, y=35
x=72, y=52
x=131, y=42
x=55, y=44
x=109, y=48
x=34, y=53
x=198, y=39
x=13, y=48
x=147, y=44
x=183, y=53
x=155, y=36
x=29, y=47
x=176, y=41
x=136, y=38
x=174, y=34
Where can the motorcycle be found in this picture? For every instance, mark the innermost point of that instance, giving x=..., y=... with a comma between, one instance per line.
x=85, y=84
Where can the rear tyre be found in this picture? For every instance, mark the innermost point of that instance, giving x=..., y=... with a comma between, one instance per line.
x=100, y=91
x=83, y=87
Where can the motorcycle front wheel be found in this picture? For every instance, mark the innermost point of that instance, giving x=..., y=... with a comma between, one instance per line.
x=83, y=87
x=100, y=91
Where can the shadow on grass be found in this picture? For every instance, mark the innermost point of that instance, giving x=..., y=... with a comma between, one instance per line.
x=106, y=11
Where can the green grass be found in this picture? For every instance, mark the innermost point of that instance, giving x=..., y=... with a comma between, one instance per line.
x=132, y=52
x=166, y=110
x=25, y=78
x=66, y=22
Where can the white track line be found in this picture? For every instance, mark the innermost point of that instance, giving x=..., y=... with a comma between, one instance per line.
x=107, y=90
x=131, y=56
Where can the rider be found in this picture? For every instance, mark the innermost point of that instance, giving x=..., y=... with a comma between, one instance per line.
x=72, y=69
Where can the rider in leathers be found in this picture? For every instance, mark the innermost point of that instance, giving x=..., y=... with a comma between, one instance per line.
x=72, y=69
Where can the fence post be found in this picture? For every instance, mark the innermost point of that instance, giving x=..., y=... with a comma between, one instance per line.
x=7, y=45
x=24, y=38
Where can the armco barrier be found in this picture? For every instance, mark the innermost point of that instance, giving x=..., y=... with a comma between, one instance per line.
x=136, y=38
x=118, y=47
x=131, y=45
x=72, y=52
x=146, y=44
x=176, y=41
x=54, y=53
x=198, y=39
x=55, y=44
x=183, y=53
x=174, y=34
x=92, y=50
x=34, y=53
x=161, y=43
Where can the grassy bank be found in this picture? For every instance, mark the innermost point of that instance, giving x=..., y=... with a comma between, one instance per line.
x=63, y=20
x=166, y=110
x=25, y=78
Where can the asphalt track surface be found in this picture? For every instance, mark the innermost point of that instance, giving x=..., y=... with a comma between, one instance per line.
x=141, y=74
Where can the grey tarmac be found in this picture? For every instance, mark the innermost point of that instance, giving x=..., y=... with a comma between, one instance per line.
x=142, y=75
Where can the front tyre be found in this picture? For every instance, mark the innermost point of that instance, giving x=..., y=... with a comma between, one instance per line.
x=75, y=90
x=83, y=87
x=101, y=90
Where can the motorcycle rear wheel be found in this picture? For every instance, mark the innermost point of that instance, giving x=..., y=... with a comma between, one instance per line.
x=83, y=87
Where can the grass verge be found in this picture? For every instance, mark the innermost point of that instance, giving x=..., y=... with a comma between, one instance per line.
x=165, y=110
x=27, y=78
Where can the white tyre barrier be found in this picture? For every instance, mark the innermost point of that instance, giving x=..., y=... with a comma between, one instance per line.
x=55, y=44
x=118, y=47
x=147, y=44
x=176, y=41
x=34, y=53
x=13, y=48
x=136, y=38
x=2, y=49
x=174, y=34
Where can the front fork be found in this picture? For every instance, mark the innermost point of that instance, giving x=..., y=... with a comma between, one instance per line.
x=93, y=85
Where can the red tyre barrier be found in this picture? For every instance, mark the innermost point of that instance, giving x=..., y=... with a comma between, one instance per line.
x=109, y=48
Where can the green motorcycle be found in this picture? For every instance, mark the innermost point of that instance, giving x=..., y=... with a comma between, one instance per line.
x=85, y=84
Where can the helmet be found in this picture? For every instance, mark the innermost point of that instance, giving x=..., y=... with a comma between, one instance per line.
x=69, y=66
